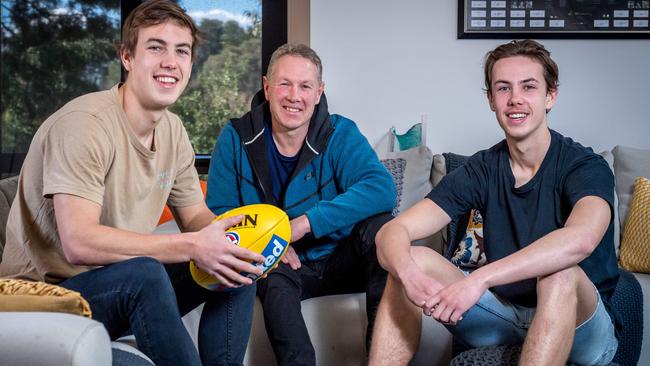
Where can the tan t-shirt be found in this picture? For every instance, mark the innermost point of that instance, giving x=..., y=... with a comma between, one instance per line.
x=88, y=149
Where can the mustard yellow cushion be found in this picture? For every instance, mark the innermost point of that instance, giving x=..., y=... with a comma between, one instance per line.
x=635, y=247
x=20, y=295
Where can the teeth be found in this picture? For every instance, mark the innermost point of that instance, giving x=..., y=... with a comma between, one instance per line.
x=292, y=109
x=517, y=115
x=166, y=79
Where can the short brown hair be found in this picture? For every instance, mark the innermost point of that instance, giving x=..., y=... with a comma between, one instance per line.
x=527, y=48
x=299, y=50
x=154, y=12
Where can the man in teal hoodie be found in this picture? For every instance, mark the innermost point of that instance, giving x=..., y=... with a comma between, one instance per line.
x=289, y=151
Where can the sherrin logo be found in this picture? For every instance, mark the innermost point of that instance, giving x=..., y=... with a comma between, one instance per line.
x=232, y=237
x=249, y=221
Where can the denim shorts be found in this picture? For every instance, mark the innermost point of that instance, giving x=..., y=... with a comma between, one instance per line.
x=494, y=320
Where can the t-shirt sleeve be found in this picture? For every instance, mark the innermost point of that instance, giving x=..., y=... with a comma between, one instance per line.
x=186, y=190
x=460, y=191
x=589, y=176
x=76, y=155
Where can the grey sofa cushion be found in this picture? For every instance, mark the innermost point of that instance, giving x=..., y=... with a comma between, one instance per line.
x=629, y=163
x=8, y=188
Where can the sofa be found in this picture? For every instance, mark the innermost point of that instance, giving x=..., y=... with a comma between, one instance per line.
x=336, y=323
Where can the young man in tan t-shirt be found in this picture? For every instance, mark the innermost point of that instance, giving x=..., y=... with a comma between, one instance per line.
x=93, y=186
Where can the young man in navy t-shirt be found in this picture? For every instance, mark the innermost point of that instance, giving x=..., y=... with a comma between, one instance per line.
x=547, y=204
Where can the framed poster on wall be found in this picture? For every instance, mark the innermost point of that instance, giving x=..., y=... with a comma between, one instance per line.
x=554, y=19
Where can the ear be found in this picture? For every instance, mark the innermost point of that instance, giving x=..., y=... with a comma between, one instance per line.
x=321, y=89
x=491, y=101
x=126, y=59
x=551, y=97
x=265, y=83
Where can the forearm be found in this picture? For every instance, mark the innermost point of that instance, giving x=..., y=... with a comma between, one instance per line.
x=552, y=253
x=356, y=204
x=558, y=250
x=193, y=219
x=394, y=239
x=101, y=245
x=393, y=248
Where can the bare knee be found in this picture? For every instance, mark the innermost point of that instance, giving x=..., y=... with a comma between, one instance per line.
x=562, y=283
x=569, y=288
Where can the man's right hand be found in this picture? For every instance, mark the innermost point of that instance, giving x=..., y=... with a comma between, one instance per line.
x=418, y=286
x=216, y=255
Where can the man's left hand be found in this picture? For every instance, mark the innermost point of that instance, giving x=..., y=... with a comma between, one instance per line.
x=450, y=303
x=291, y=258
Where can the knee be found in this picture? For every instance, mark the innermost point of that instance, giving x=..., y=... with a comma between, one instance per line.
x=246, y=293
x=149, y=273
x=148, y=267
x=561, y=285
x=281, y=279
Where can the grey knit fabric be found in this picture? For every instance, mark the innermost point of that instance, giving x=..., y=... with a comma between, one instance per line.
x=488, y=356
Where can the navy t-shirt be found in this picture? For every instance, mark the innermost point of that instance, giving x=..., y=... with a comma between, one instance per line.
x=516, y=217
x=281, y=166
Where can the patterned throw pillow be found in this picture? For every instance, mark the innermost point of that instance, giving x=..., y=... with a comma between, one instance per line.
x=20, y=295
x=470, y=252
x=635, y=247
x=396, y=168
x=410, y=170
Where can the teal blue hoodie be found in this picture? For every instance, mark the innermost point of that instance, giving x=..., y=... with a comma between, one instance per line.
x=338, y=180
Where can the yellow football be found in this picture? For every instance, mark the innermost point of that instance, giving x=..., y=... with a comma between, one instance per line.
x=265, y=229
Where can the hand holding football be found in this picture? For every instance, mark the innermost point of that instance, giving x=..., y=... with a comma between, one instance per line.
x=265, y=229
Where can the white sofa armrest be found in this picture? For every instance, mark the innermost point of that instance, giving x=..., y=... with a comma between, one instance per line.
x=40, y=338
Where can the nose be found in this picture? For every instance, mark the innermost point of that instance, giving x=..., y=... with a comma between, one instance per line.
x=515, y=97
x=168, y=60
x=293, y=93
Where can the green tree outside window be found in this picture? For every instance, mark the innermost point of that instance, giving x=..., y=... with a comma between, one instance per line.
x=55, y=50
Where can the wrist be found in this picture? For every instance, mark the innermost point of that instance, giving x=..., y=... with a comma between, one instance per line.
x=305, y=226
x=190, y=244
x=404, y=270
x=481, y=277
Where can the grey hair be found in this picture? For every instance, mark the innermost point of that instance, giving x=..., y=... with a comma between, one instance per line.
x=296, y=49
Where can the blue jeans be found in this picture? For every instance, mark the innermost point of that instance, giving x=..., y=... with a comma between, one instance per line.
x=494, y=320
x=148, y=298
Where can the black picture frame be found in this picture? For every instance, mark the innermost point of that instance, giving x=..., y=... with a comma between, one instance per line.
x=553, y=19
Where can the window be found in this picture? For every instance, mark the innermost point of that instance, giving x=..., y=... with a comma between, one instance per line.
x=52, y=51
x=227, y=69
x=56, y=50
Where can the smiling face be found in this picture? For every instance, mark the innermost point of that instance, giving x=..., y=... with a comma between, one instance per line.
x=160, y=66
x=519, y=97
x=292, y=90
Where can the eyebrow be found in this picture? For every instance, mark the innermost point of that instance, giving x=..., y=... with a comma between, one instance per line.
x=284, y=78
x=529, y=80
x=158, y=40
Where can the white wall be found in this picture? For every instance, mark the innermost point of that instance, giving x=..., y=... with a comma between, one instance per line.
x=389, y=62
